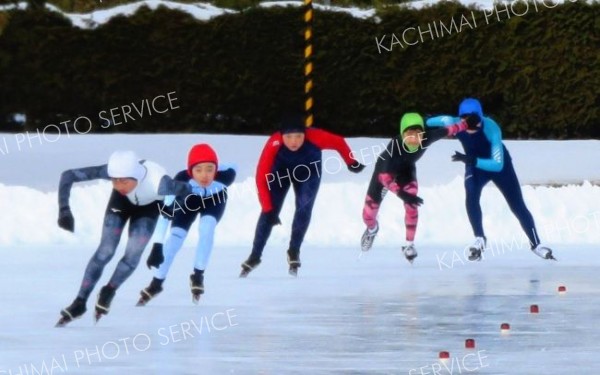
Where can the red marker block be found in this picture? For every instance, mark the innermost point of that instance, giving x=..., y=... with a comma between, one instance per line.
x=504, y=327
x=562, y=289
x=444, y=355
x=534, y=309
x=469, y=343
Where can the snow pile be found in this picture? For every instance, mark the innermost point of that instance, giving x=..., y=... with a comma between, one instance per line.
x=565, y=215
x=206, y=11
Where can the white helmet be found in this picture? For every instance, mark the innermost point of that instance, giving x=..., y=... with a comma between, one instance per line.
x=125, y=164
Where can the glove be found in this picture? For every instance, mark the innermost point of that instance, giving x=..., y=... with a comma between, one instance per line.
x=472, y=120
x=273, y=218
x=356, y=167
x=66, y=220
x=410, y=198
x=156, y=256
x=467, y=159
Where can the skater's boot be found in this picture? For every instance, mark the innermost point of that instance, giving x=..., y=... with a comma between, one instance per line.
x=409, y=252
x=476, y=249
x=248, y=265
x=150, y=291
x=543, y=252
x=72, y=312
x=105, y=297
x=368, y=237
x=197, y=284
x=293, y=258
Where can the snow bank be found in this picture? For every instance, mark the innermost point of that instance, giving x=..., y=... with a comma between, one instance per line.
x=205, y=11
x=565, y=215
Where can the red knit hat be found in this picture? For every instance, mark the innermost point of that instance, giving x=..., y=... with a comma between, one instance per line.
x=201, y=153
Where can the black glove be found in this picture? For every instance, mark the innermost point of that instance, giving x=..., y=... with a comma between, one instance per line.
x=356, y=167
x=410, y=198
x=472, y=120
x=467, y=159
x=273, y=218
x=66, y=220
x=156, y=256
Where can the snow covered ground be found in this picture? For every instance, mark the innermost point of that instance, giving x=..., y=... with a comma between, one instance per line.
x=344, y=314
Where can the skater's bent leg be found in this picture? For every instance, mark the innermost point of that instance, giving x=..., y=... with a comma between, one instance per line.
x=263, y=227
x=140, y=231
x=473, y=185
x=306, y=194
x=370, y=211
x=206, y=229
x=373, y=200
x=508, y=184
x=411, y=215
x=180, y=226
x=111, y=234
x=170, y=250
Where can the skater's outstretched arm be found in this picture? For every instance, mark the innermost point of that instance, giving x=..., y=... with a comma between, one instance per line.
x=226, y=174
x=65, y=218
x=69, y=177
x=329, y=141
x=443, y=120
x=263, y=170
x=434, y=134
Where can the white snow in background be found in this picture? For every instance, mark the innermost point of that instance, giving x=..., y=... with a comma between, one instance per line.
x=206, y=11
x=567, y=214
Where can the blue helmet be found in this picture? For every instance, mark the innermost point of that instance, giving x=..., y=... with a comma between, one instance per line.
x=470, y=105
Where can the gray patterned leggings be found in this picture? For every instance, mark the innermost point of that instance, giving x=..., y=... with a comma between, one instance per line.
x=142, y=221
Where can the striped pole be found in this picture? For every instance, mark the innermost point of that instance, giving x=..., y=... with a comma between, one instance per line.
x=308, y=65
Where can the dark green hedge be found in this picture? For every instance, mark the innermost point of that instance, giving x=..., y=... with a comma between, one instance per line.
x=536, y=74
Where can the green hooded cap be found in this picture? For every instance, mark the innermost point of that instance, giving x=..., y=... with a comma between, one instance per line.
x=409, y=120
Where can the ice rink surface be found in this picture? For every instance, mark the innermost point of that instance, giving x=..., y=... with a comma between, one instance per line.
x=344, y=314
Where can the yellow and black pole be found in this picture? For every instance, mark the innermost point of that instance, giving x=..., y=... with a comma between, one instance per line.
x=308, y=65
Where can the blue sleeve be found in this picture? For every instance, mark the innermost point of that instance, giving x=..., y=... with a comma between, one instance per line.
x=69, y=177
x=439, y=121
x=495, y=162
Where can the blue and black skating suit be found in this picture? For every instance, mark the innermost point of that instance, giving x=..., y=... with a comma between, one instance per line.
x=493, y=163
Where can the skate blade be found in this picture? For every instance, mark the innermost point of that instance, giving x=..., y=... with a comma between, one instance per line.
x=142, y=302
x=196, y=299
x=244, y=274
x=62, y=322
x=293, y=272
x=97, y=317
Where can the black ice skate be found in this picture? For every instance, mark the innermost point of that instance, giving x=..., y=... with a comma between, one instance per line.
x=196, y=286
x=105, y=297
x=72, y=312
x=150, y=291
x=410, y=253
x=476, y=249
x=543, y=252
x=248, y=266
x=293, y=258
x=368, y=237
